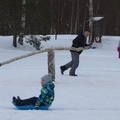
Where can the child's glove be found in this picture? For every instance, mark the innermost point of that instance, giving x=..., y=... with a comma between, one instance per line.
x=36, y=107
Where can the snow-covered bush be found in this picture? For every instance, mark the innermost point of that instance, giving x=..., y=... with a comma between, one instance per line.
x=35, y=40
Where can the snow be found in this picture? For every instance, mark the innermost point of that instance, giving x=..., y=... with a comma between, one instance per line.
x=93, y=95
x=97, y=18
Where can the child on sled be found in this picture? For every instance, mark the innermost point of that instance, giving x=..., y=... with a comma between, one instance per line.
x=45, y=98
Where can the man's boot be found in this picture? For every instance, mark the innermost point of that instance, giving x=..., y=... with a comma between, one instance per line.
x=62, y=69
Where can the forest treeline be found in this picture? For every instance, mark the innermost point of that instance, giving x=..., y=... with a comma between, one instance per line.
x=57, y=16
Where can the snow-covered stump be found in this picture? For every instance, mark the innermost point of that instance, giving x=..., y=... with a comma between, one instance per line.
x=51, y=63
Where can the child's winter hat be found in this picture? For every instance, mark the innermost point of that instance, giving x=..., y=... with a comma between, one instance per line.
x=46, y=78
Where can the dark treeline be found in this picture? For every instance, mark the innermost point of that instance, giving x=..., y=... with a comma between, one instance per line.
x=56, y=16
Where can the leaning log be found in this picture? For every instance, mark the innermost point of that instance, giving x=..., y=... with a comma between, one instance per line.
x=41, y=51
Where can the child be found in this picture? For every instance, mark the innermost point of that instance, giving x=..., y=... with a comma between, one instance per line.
x=45, y=98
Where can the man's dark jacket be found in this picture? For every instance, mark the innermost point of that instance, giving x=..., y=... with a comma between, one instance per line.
x=79, y=41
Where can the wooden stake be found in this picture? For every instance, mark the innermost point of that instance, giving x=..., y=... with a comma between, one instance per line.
x=51, y=63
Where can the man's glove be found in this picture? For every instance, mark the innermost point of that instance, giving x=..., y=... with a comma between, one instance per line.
x=88, y=47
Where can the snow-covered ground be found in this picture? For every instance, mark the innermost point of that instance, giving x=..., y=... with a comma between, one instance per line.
x=93, y=95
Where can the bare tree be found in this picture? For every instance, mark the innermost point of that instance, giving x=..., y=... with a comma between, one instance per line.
x=20, y=39
x=77, y=17
x=72, y=16
x=91, y=19
x=15, y=24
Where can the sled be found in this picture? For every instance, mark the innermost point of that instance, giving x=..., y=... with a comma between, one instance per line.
x=30, y=107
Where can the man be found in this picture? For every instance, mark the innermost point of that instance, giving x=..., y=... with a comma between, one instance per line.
x=79, y=41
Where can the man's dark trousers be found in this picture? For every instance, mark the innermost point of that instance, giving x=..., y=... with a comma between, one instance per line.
x=74, y=63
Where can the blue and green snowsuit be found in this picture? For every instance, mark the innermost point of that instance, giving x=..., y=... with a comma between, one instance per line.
x=47, y=95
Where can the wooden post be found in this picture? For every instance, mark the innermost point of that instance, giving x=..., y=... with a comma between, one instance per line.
x=51, y=63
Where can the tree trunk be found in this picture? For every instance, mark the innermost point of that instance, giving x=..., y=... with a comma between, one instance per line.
x=72, y=17
x=15, y=39
x=91, y=20
x=23, y=14
x=52, y=29
x=77, y=17
x=20, y=40
x=15, y=28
